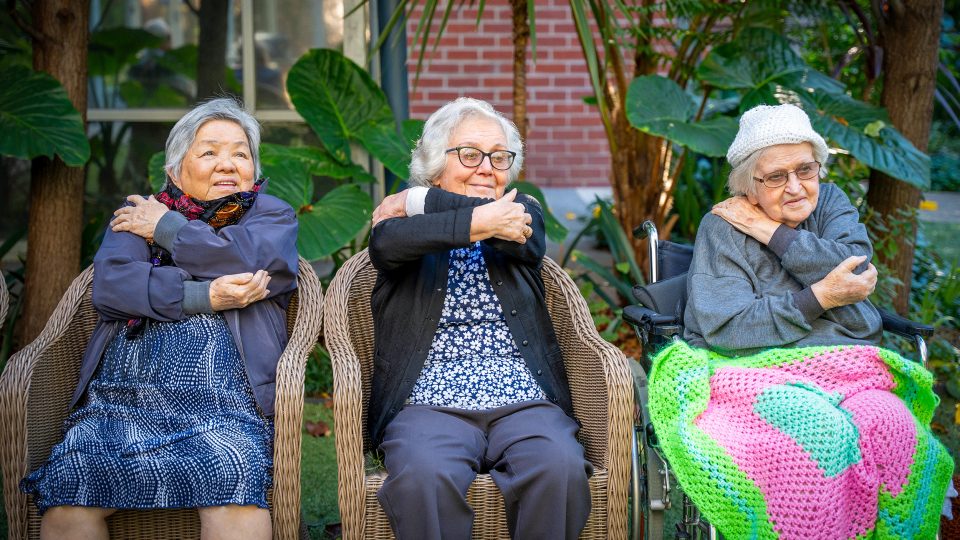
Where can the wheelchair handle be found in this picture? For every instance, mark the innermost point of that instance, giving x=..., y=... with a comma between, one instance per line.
x=649, y=230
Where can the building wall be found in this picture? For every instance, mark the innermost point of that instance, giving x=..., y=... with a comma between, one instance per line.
x=566, y=145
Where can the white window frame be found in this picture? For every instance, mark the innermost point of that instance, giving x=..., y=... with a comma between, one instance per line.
x=355, y=30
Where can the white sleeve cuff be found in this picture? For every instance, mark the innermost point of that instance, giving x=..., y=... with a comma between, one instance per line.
x=416, y=199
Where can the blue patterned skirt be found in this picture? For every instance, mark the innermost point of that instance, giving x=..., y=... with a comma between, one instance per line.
x=168, y=421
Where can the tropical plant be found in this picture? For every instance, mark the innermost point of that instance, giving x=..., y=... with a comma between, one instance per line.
x=612, y=286
x=38, y=119
x=54, y=37
x=756, y=65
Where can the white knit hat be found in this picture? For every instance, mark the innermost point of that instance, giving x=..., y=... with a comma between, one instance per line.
x=767, y=125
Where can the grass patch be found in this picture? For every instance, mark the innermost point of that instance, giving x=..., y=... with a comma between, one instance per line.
x=318, y=475
x=942, y=238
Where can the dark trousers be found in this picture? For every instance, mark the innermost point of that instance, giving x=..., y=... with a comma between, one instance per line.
x=432, y=455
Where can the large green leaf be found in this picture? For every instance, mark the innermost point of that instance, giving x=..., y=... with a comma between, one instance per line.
x=318, y=161
x=342, y=103
x=383, y=141
x=38, y=119
x=182, y=60
x=156, y=173
x=658, y=106
x=113, y=49
x=411, y=130
x=711, y=137
x=333, y=221
x=555, y=230
x=757, y=58
x=653, y=98
x=845, y=121
x=290, y=179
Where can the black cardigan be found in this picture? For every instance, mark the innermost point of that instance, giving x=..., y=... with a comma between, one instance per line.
x=412, y=256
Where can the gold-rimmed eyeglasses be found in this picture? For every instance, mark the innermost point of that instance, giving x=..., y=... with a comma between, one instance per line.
x=805, y=171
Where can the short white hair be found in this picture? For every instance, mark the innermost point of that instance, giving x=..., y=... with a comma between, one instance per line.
x=429, y=155
x=185, y=131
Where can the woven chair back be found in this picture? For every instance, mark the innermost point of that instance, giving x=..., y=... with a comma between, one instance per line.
x=39, y=380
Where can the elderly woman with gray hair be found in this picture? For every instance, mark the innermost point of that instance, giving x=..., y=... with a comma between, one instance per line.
x=785, y=261
x=176, y=392
x=779, y=414
x=468, y=375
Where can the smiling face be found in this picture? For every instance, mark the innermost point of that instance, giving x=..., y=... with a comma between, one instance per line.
x=484, y=180
x=218, y=163
x=794, y=201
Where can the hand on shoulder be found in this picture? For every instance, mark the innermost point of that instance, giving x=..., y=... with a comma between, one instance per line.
x=747, y=218
x=140, y=217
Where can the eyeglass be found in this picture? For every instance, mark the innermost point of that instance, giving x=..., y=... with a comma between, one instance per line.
x=473, y=157
x=805, y=171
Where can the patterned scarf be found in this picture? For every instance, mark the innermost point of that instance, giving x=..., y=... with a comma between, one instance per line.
x=217, y=213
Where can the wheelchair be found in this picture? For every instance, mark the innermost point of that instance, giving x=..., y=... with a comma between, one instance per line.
x=657, y=499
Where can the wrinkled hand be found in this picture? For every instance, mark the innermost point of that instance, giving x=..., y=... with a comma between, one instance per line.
x=235, y=291
x=141, y=219
x=842, y=286
x=502, y=219
x=747, y=218
x=390, y=207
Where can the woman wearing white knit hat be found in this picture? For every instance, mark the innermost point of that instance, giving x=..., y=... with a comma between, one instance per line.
x=779, y=415
x=795, y=249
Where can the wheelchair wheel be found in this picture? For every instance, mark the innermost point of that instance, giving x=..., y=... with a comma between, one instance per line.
x=660, y=510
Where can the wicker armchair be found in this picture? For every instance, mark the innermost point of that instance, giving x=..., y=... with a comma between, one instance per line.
x=602, y=400
x=4, y=301
x=38, y=382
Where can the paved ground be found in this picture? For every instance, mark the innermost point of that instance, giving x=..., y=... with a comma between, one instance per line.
x=947, y=207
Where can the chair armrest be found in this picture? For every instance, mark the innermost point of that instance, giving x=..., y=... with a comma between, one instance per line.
x=347, y=396
x=651, y=321
x=600, y=384
x=35, y=390
x=4, y=300
x=288, y=420
x=903, y=326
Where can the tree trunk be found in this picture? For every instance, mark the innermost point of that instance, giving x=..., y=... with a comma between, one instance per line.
x=212, y=44
x=56, y=190
x=909, y=33
x=521, y=38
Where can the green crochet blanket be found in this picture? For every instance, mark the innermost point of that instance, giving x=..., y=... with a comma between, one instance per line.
x=814, y=442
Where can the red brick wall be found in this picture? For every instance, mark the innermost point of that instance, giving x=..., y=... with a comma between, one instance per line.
x=566, y=145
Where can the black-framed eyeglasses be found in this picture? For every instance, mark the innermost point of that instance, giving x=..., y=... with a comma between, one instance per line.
x=805, y=171
x=473, y=157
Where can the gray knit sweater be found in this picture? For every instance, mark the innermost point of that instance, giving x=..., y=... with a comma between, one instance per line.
x=744, y=297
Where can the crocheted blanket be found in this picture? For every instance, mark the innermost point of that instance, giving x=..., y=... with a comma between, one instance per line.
x=814, y=442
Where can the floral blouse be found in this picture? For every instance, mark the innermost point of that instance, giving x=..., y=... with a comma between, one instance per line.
x=473, y=362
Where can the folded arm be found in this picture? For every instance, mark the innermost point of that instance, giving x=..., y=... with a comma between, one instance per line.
x=810, y=255
x=432, y=220
x=213, y=270
x=265, y=239
x=126, y=284
x=724, y=303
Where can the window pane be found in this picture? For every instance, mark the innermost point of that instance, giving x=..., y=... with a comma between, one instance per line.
x=283, y=31
x=149, y=54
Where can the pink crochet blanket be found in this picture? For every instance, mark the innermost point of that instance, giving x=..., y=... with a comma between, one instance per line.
x=815, y=442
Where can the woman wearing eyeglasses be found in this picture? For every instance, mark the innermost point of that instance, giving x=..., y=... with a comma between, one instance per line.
x=468, y=376
x=785, y=261
x=784, y=419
